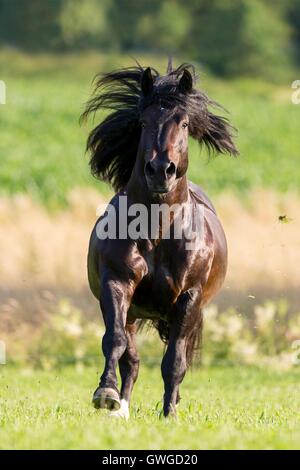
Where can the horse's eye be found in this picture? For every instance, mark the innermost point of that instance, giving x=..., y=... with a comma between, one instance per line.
x=184, y=125
x=143, y=124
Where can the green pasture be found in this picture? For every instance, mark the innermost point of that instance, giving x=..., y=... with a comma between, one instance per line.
x=221, y=408
x=42, y=146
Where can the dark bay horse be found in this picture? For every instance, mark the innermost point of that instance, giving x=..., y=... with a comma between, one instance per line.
x=141, y=148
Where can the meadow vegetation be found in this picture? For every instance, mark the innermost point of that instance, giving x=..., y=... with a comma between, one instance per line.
x=221, y=408
x=267, y=338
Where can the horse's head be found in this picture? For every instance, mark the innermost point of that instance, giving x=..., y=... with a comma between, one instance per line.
x=164, y=138
x=151, y=119
x=163, y=146
x=171, y=110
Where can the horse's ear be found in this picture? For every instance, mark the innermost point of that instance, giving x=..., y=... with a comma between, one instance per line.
x=218, y=135
x=170, y=65
x=186, y=82
x=147, y=82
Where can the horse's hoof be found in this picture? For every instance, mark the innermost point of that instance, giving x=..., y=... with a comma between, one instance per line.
x=170, y=412
x=122, y=413
x=106, y=398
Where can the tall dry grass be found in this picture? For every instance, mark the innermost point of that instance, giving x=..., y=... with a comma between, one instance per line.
x=263, y=250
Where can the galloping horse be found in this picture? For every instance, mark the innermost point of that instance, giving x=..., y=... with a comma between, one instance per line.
x=141, y=148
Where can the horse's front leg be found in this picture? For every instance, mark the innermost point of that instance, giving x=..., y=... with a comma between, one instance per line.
x=129, y=368
x=185, y=327
x=115, y=298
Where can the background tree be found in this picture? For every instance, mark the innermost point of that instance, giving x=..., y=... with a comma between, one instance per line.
x=240, y=37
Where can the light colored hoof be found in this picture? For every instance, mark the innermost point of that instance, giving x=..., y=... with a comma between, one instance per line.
x=122, y=412
x=106, y=398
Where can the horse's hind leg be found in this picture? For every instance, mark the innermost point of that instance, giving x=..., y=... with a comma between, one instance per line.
x=129, y=368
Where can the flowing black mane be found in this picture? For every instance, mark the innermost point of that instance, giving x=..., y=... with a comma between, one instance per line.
x=114, y=142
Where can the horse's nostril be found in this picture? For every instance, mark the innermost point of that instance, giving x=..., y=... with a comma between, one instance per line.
x=163, y=170
x=170, y=171
x=149, y=170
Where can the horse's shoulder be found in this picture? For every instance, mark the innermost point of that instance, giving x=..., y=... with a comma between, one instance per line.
x=201, y=196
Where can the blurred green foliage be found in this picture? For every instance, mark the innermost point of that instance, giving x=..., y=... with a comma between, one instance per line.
x=265, y=338
x=249, y=37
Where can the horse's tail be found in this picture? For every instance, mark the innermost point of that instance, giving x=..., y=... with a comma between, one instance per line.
x=163, y=329
x=194, y=339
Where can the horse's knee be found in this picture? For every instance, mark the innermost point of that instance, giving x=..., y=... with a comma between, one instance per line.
x=172, y=370
x=173, y=377
x=114, y=342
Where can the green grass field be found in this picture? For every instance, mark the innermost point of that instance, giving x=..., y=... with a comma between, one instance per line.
x=221, y=408
x=42, y=146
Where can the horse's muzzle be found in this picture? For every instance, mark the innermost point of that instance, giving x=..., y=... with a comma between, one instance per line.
x=160, y=176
